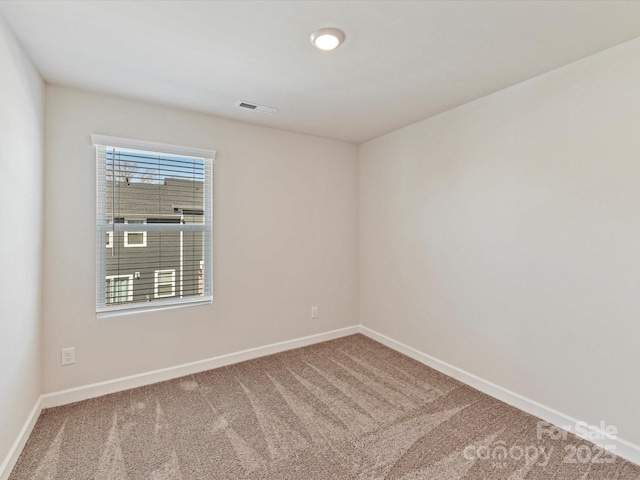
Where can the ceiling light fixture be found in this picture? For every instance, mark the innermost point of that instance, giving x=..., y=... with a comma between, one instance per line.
x=327, y=38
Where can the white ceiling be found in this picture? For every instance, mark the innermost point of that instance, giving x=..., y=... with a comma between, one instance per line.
x=402, y=61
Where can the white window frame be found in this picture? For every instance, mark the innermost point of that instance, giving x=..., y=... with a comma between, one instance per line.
x=102, y=142
x=126, y=234
x=156, y=284
x=129, y=286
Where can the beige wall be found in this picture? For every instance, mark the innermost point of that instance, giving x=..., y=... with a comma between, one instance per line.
x=21, y=175
x=503, y=237
x=285, y=239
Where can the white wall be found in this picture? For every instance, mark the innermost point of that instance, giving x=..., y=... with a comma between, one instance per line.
x=503, y=237
x=21, y=180
x=285, y=239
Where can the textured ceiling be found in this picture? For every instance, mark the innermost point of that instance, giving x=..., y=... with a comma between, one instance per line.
x=402, y=61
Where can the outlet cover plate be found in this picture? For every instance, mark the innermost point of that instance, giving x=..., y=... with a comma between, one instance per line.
x=68, y=356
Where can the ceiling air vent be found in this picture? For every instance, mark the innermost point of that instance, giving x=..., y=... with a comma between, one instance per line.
x=255, y=107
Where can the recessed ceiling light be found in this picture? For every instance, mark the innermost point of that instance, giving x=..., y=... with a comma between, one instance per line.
x=327, y=38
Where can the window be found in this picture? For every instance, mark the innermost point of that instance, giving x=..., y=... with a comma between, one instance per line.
x=165, y=283
x=119, y=289
x=135, y=239
x=154, y=211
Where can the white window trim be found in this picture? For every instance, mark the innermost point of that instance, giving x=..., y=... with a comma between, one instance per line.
x=126, y=236
x=156, y=284
x=129, y=286
x=209, y=156
x=129, y=143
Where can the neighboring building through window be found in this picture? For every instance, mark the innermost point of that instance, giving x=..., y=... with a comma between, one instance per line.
x=119, y=289
x=154, y=208
x=165, y=283
x=135, y=239
x=109, y=236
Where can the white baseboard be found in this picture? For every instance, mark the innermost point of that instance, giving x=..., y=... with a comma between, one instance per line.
x=622, y=448
x=94, y=390
x=18, y=445
x=64, y=397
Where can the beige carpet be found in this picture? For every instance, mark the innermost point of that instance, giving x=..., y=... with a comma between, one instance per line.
x=345, y=409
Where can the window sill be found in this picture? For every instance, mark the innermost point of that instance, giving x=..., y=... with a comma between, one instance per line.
x=155, y=306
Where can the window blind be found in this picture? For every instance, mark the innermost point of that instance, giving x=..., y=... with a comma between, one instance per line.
x=154, y=225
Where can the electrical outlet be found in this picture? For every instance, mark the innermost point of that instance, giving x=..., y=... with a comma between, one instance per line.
x=314, y=312
x=68, y=356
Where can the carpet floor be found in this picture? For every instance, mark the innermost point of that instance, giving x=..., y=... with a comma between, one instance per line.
x=344, y=409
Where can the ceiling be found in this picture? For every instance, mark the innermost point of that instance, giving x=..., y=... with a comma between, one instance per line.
x=402, y=61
